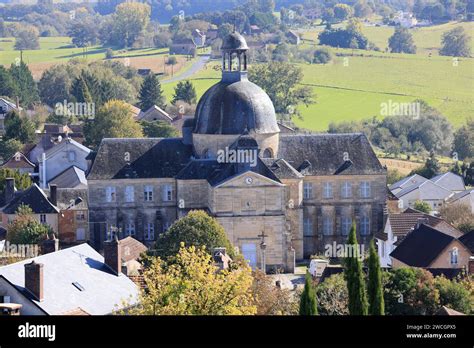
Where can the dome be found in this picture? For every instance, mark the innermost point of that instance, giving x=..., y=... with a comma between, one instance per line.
x=235, y=108
x=234, y=41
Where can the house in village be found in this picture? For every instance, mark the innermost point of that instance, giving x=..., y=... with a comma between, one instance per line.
x=60, y=158
x=465, y=197
x=429, y=248
x=185, y=46
x=255, y=30
x=65, y=210
x=399, y=225
x=435, y=191
x=154, y=113
x=5, y=107
x=293, y=37
x=19, y=162
x=293, y=193
x=72, y=281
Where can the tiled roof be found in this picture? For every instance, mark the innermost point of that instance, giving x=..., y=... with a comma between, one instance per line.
x=22, y=162
x=131, y=249
x=448, y=311
x=404, y=222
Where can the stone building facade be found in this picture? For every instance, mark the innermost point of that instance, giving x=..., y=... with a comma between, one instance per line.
x=280, y=196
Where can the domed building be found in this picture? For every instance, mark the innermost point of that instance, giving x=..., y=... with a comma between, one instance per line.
x=280, y=196
x=234, y=106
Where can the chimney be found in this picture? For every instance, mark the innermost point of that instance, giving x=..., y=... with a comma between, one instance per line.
x=34, y=279
x=50, y=245
x=113, y=255
x=53, y=194
x=9, y=189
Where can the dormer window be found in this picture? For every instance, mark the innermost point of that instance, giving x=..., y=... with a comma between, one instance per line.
x=17, y=157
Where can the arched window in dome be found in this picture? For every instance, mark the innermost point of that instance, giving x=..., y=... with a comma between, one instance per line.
x=267, y=153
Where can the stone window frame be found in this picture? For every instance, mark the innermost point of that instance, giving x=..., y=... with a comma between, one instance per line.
x=346, y=189
x=364, y=224
x=129, y=194
x=346, y=224
x=167, y=195
x=328, y=191
x=365, y=189
x=42, y=218
x=307, y=227
x=328, y=225
x=148, y=193
x=149, y=231
x=130, y=228
x=110, y=194
x=307, y=190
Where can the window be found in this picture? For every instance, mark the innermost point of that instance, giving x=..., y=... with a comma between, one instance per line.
x=110, y=194
x=346, y=189
x=364, y=225
x=267, y=153
x=327, y=190
x=148, y=192
x=365, y=189
x=167, y=193
x=307, y=227
x=43, y=218
x=327, y=225
x=454, y=256
x=129, y=194
x=150, y=231
x=130, y=229
x=80, y=215
x=307, y=190
x=346, y=223
x=166, y=226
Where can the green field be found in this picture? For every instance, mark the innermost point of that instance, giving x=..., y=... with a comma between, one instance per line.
x=354, y=87
x=52, y=49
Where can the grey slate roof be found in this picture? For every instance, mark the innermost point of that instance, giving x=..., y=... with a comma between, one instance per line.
x=322, y=154
x=422, y=246
x=35, y=198
x=71, y=177
x=468, y=240
x=82, y=264
x=282, y=169
x=234, y=41
x=235, y=108
x=149, y=158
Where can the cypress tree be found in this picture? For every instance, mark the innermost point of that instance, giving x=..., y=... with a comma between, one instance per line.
x=308, y=302
x=355, y=278
x=374, y=286
x=24, y=85
x=151, y=93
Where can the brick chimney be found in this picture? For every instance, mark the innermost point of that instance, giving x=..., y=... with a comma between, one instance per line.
x=50, y=245
x=53, y=194
x=113, y=255
x=34, y=279
x=9, y=189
